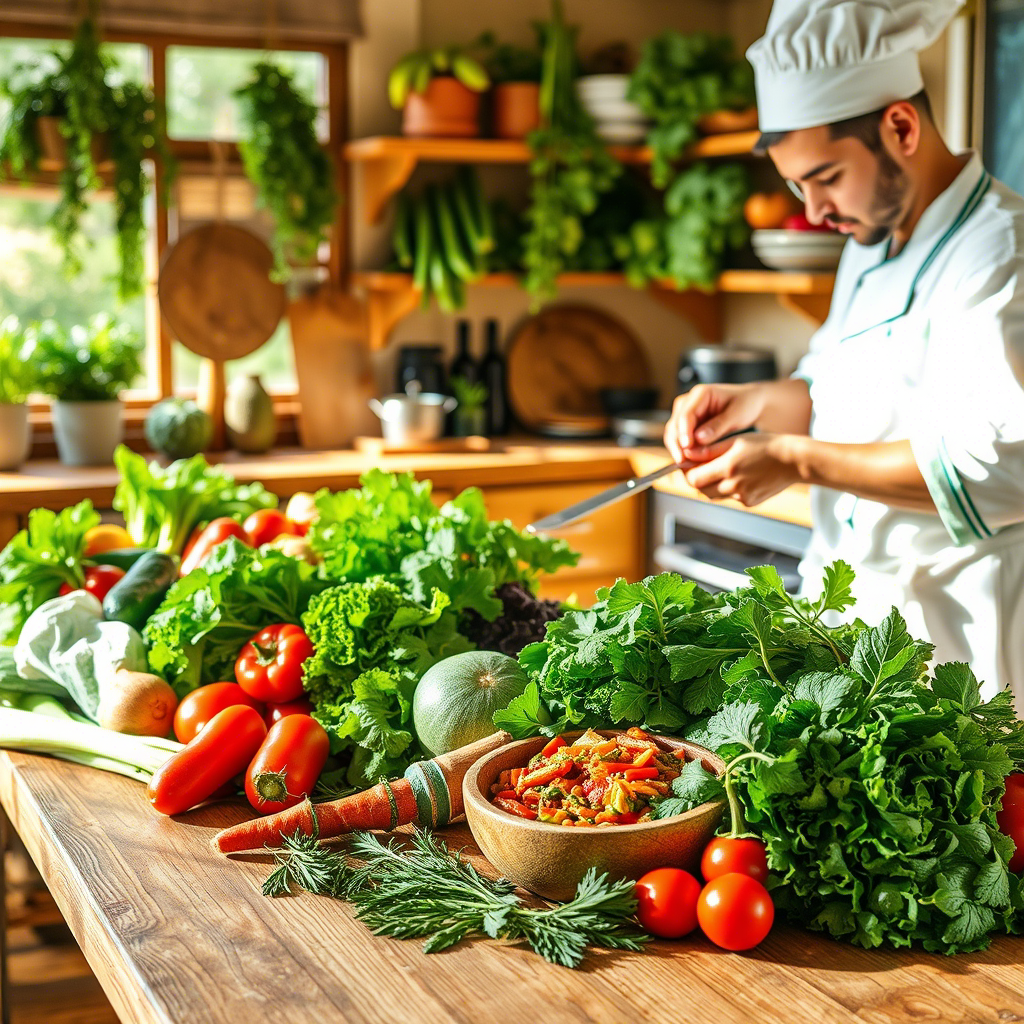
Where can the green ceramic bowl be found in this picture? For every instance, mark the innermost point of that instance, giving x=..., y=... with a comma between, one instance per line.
x=550, y=860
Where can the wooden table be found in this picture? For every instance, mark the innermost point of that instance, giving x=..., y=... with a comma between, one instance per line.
x=176, y=933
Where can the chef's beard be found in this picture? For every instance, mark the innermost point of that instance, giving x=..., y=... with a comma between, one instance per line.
x=888, y=204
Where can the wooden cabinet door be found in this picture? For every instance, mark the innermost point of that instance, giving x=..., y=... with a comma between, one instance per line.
x=610, y=542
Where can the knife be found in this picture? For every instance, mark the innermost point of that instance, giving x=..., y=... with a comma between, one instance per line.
x=603, y=498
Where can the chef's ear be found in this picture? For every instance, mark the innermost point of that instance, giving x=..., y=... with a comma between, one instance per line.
x=901, y=127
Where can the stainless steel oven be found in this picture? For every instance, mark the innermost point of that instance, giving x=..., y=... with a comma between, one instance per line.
x=712, y=544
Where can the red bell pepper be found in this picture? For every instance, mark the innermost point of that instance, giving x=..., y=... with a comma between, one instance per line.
x=269, y=666
x=515, y=807
x=636, y=774
x=551, y=746
x=218, y=531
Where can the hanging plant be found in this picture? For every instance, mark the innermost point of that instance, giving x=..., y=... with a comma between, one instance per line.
x=293, y=175
x=127, y=118
x=570, y=167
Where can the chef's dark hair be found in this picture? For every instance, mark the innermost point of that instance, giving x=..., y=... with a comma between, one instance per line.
x=866, y=127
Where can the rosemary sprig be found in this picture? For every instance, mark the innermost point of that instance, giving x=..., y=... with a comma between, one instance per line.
x=430, y=891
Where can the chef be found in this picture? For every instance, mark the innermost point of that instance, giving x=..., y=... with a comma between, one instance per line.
x=907, y=413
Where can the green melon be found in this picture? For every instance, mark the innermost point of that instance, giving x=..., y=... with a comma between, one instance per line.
x=456, y=699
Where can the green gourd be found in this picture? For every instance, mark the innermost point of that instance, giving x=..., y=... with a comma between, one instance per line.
x=178, y=428
x=456, y=699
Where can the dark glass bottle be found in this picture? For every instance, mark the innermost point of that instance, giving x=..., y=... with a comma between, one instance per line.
x=463, y=365
x=462, y=373
x=493, y=374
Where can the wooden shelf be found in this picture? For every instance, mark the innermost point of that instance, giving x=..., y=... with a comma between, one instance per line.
x=390, y=297
x=388, y=162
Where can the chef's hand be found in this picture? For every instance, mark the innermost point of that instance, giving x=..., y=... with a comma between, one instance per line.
x=708, y=412
x=749, y=469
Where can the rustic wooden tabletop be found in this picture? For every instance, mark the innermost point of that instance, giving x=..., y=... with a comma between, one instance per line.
x=177, y=934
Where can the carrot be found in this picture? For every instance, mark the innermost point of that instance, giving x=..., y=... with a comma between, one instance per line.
x=430, y=794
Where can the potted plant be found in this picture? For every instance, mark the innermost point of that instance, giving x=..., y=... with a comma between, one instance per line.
x=85, y=370
x=17, y=378
x=438, y=91
x=293, y=175
x=469, y=418
x=79, y=115
x=515, y=74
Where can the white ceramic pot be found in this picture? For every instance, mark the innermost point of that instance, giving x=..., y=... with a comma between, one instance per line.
x=15, y=435
x=87, y=432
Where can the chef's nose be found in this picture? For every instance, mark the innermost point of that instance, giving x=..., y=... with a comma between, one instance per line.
x=816, y=206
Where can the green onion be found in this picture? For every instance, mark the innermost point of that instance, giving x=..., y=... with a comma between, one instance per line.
x=58, y=734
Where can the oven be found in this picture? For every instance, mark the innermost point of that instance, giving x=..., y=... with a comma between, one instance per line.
x=712, y=544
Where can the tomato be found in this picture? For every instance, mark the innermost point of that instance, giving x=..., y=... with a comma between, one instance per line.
x=216, y=532
x=269, y=666
x=106, y=537
x=765, y=210
x=287, y=765
x=199, y=706
x=667, y=902
x=725, y=854
x=223, y=749
x=98, y=581
x=735, y=911
x=265, y=524
x=1011, y=819
x=275, y=712
x=301, y=511
x=799, y=222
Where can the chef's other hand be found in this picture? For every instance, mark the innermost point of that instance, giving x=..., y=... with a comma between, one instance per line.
x=708, y=412
x=749, y=469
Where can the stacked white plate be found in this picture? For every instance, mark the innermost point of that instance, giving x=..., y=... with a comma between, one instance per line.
x=619, y=121
x=798, y=250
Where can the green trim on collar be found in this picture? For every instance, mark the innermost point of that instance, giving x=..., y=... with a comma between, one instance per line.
x=973, y=202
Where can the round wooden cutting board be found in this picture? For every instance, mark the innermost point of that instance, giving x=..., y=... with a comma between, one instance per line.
x=560, y=359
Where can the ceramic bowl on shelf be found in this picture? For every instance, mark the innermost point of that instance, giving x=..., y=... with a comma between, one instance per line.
x=782, y=249
x=602, y=87
x=550, y=860
x=621, y=134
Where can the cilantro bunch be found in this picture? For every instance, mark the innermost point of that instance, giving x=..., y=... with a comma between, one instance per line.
x=372, y=644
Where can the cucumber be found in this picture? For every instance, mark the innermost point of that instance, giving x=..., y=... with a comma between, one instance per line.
x=424, y=251
x=134, y=597
x=460, y=262
x=123, y=558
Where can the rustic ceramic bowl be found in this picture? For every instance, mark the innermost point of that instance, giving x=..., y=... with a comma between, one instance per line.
x=550, y=860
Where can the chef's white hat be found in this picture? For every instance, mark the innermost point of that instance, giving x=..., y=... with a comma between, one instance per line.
x=822, y=61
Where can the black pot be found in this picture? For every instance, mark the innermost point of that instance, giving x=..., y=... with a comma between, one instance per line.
x=721, y=365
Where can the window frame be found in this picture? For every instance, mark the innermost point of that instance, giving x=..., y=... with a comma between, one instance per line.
x=197, y=151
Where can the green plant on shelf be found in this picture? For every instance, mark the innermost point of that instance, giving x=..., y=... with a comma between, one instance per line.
x=570, y=166
x=470, y=415
x=18, y=374
x=507, y=62
x=94, y=107
x=92, y=362
x=293, y=174
x=679, y=79
x=415, y=70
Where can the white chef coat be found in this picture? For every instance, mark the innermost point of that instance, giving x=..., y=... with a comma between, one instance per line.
x=928, y=346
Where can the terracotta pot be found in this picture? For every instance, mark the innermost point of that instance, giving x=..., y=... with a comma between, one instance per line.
x=447, y=109
x=516, y=109
x=54, y=146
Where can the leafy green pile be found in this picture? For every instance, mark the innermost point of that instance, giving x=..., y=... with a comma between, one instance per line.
x=390, y=527
x=372, y=644
x=161, y=507
x=678, y=79
x=207, y=616
x=429, y=891
x=39, y=559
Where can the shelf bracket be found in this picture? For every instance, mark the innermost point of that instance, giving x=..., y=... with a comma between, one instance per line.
x=382, y=177
x=811, y=307
x=385, y=309
x=702, y=309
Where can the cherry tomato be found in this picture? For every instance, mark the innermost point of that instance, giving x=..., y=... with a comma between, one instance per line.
x=301, y=511
x=725, y=854
x=216, y=532
x=735, y=911
x=265, y=524
x=269, y=666
x=667, y=902
x=287, y=765
x=223, y=749
x=1011, y=819
x=98, y=581
x=275, y=712
x=199, y=706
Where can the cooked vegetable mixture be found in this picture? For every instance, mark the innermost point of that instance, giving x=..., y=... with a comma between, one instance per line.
x=593, y=781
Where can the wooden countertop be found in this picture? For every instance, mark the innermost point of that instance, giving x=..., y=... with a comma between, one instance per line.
x=517, y=462
x=176, y=933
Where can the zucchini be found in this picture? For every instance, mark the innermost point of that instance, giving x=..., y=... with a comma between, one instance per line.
x=134, y=597
x=123, y=558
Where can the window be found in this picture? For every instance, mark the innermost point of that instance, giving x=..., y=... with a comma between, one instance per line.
x=1003, y=134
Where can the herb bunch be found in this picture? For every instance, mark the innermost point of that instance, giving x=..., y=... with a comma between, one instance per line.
x=17, y=373
x=92, y=362
x=427, y=891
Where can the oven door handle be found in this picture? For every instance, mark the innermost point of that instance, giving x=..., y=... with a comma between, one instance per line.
x=674, y=558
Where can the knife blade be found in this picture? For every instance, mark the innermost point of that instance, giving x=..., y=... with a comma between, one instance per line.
x=603, y=498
